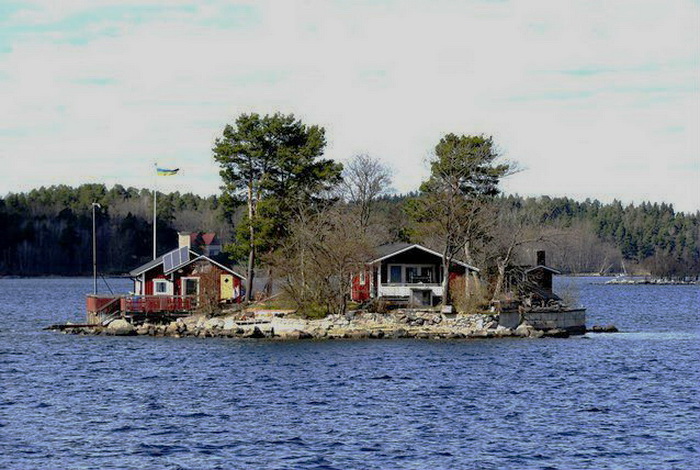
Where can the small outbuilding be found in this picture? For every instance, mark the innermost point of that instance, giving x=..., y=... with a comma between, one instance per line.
x=533, y=282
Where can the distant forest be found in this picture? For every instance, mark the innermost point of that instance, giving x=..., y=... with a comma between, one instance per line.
x=48, y=231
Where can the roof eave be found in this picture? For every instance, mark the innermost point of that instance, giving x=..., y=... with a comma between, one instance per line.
x=421, y=247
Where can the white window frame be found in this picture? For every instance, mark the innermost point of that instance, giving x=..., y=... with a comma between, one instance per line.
x=388, y=273
x=183, y=280
x=404, y=272
x=168, y=287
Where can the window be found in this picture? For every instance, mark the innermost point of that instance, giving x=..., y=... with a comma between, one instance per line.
x=395, y=274
x=190, y=286
x=362, y=278
x=161, y=287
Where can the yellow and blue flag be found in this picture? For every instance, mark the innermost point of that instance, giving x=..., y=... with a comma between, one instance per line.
x=166, y=171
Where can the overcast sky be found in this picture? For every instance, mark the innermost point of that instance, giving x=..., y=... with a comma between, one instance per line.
x=595, y=99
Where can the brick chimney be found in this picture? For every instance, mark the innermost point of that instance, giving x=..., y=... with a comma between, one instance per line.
x=541, y=260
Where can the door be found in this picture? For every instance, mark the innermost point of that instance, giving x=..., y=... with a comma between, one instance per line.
x=226, y=287
x=421, y=297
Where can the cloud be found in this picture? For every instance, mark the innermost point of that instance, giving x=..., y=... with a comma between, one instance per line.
x=596, y=99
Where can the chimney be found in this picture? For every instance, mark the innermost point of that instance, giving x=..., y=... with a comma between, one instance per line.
x=541, y=261
x=183, y=239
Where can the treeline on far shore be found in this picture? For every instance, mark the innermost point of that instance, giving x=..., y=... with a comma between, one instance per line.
x=48, y=231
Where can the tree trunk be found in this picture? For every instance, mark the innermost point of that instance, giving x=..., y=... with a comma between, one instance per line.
x=500, y=279
x=268, y=284
x=445, y=280
x=251, y=254
x=468, y=260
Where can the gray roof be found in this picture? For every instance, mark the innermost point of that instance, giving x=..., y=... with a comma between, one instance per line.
x=195, y=257
x=145, y=267
x=389, y=249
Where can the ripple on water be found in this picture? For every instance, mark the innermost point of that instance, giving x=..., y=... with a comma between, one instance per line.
x=627, y=400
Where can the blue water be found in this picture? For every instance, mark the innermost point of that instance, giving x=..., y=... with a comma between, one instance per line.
x=622, y=401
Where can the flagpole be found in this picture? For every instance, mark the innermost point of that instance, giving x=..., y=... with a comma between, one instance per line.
x=155, y=190
x=94, y=250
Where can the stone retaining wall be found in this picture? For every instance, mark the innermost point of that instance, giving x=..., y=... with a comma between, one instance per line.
x=570, y=320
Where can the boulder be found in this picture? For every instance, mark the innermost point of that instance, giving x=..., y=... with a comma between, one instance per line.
x=376, y=334
x=214, y=323
x=191, y=321
x=171, y=329
x=603, y=329
x=399, y=333
x=536, y=333
x=556, y=333
x=120, y=327
x=357, y=334
x=253, y=332
x=503, y=331
x=524, y=329
x=142, y=329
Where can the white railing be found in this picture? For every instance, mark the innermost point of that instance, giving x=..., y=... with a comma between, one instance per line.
x=404, y=290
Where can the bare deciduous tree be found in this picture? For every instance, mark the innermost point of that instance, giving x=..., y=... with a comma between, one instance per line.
x=364, y=180
x=317, y=261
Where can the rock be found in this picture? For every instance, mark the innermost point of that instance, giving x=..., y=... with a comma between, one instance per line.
x=171, y=329
x=556, y=333
x=376, y=334
x=120, y=327
x=454, y=335
x=191, y=321
x=536, y=333
x=398, y=333
x=524, y=329
x=229, y=323
x=214, y=323
x=603, y=329
x=142, y=329
x=357, y=334
x=254, y=332
x=503, y=331
x=289, y=334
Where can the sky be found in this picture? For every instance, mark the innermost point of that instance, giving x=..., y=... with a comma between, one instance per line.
x=593, y=99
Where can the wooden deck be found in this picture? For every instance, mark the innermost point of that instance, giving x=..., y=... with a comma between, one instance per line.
x=101, y=307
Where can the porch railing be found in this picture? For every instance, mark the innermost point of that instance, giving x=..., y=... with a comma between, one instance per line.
x=158, y=303
x=404, y=290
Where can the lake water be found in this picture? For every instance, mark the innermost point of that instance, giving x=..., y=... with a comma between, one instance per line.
x=620, y=401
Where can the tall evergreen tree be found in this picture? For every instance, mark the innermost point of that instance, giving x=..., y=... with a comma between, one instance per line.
x=271, y=163
x=463, y=175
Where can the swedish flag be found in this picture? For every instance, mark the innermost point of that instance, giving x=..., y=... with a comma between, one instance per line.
x=166, y=171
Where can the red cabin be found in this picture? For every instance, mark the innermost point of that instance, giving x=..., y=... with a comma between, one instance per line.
x=175, y=283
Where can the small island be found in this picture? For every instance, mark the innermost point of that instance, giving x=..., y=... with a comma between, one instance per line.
x=388, y=301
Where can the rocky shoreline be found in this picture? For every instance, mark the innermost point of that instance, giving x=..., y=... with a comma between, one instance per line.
x=358, y=325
